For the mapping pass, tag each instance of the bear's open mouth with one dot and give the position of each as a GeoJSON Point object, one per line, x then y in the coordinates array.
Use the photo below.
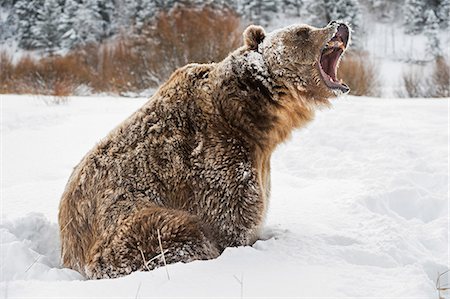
{"type": "Point", "coordinates": [330, 57]}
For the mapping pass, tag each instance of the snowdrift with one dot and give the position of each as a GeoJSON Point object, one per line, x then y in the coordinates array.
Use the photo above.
{"type": "Point", "coordinates": [359, 205]}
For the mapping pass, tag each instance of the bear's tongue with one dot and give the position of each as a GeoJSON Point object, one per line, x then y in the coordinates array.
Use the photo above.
{"type": "Point", "coordinates": [328, 61]}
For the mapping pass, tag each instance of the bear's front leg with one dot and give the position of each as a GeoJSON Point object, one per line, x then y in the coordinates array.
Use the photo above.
{"type": "Point", "coordinates": [236, 215]}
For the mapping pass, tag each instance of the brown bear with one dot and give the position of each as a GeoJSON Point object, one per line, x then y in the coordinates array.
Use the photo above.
{"type": "Point", "coordinates": [189, 172]}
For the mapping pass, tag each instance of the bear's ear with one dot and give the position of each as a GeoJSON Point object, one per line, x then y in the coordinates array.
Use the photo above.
{"type": "Point", "coordinates": [253, 36]}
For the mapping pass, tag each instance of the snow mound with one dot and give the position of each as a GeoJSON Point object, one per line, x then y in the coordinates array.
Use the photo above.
{"type": "Point", "coordinates": [30, 250]}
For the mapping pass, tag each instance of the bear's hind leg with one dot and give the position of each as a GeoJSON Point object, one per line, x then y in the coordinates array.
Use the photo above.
{"type": "Point", "coordinates": [182, 238]}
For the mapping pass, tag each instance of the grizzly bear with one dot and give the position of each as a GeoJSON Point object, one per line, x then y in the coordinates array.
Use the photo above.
{"type": "Point", "coordinates": [188, 174]}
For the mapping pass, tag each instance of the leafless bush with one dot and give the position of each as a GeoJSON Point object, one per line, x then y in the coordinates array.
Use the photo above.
{"type": "Point", "coordinates": [48, 76]}
{"type": "Point", "coordinates": [185, 35]}
{"type": "Point", "coordinates": [360, 73]}
{"type": "Point", "coordinates": [416, 84]}
{"type": "Point", "coordinates": [413, 85]}
{"type": "Point", "coordinates": [6, 71]}
{"type": "Point", "coordinates": [440, 78]}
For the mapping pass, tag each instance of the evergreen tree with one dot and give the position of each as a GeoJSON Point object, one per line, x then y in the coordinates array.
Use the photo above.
{"type": "Point", "coordinates": [414, 16]}
{"type": "Point", "coordinates": [385, 10]}
{"type": "Point", "coordinates": [431, 29]}
{"type": "Point", "coordinates": [232, 4]}
{"type": "Point", "coordinates": [317, 10]}
{"type": "Point", "coordinates": [46, 30]}
{"type": "Point", "coordinates": [344, 10]}
{"type": "Point", "coordinates": [8, 4]}
{"type": "Point", "coordinates": [293, 5]}
{"type": "Point", "coordinates": [69, 36]}
{"type": "Point", "coordinates": [325, 11]}
{"type": "Point", "coordinates": [259, 11]}
{"type": "Point", "coordinates": [88, 23]}
{"type": "Point", "coordinates": [146, 11]}
{"type": "Point", "coordinates": [125, 14]}
{"type": "Point", "coordinates": [26, 13]}
{"type": "Point", "coordinates": [106, 10]}
{"type": "Point", "coordinates": [443, 12]}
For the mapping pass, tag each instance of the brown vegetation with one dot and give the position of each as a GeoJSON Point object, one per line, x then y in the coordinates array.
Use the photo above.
{"type": "Point", "coordinates": [413, 85]}
{"type": "Point", "coordinates": [133, 63]}
{"type": "Point", "coordinates": [436, 85]}
{"type": "Point", "coordinates": [440, 78]}
{"type": "Point", "coordinates": [360, 74]}
{"type": "Point", "coordinates": [182, 36]}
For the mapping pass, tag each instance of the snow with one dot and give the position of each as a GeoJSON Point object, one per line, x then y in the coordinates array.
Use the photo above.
{"type": "Point", "coordinates": [359, 205]}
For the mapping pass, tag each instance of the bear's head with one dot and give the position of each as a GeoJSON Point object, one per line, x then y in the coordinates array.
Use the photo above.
{"type": "Point", "coordinates": [302, 60]}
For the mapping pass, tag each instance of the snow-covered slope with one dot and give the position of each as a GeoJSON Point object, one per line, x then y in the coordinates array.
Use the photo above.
{"type": "Point", "coordinates": [359, 205]}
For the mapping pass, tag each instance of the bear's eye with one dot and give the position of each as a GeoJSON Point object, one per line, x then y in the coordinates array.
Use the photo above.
{"type": "Point", "coordinates": [303, 33]}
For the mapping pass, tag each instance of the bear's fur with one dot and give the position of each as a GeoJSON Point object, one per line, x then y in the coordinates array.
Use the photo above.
{"type": "Point", "coordinates": [193, 164]}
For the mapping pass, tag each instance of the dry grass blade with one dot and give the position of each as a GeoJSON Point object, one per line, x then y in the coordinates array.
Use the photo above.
{"type": "Point", "coordinates": [162, 252]}
{"type": "Point", "coordinates": [137, 292]}
{"type": "Point", "coordinates": [65, 226]}
{"type": "Point", "coordinates": [39, 256]}
{"type": "Point", "coordinates": [138, 289]}
{"type": "Point", "coordinates": [241, 282]}
{"type": "Point", "coordinates": [143, 258]}
{"type": "Point", "coordinates": [157, 256]}
{"type": "Point", "coordinates": [32, 264]}
{"type": "Point", "coordinates": [441, 288]}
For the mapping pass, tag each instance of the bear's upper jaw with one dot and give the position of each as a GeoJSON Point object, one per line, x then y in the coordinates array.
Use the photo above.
{"type": "Point", "coordinates": [330, 57]}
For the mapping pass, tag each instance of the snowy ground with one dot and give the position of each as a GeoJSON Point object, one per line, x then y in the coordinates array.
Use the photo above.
{"type": "Point", "coordinates": [359, 205]}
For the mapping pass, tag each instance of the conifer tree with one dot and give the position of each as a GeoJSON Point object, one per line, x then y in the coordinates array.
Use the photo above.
{"type": "Point", "coordinates": [146, 11]}
{"type": "Point", "coordinates": [88, 22]}
{"type": "Point", "coordinates": [106, 10]}
{"type": "Point", "coordinates": [292, 6]}
{"type": "Point", "coordinates": [69, 36]}
{"type": "Point", "coordinates": [259, 11]}
{"type": "Point", "coordinates": [443, 12]}
{"type": "Point", "coordinates": [431, 29]}
{"type": "Point", "coordinates": [46, 31]}
{"type": "Point", "coordinates": [325, 11]}
{"type": "Point", "coordinates": [414, 16]}
{"type": "Point", "coordinates": [26, 13]}
{"type": "Point", "coordinates": [318, 14]}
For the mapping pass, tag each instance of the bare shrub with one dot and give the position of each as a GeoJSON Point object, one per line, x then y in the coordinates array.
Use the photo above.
{"type": "Point", "coordinates": [185, 35]}
{"type": "Point", "coordinates": [440, 78]}
{"type": "Point", "coordinates": [21, 78]}
{"type": "Point", "coordinates": [360, 73]}
{"type": "Point", "coordinates": [119, 69]}
{"type": "Point", "coordinates": [54, 76]}
{"type": "Point", "coordinates": [416, 84]}
{"type": "Point", "coordinates": [413, 85]}
{"type": "Point", "coordinates": [6, 72]}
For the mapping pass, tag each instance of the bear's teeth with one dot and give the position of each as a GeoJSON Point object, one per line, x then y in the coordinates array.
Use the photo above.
{"type": "Point", "coordinates": [328, 51]}
{"type": "Point", "coordinates": [336, 44]}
